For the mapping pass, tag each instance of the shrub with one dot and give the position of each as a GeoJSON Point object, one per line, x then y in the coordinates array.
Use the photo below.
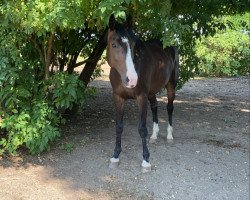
{"type": "Point", "coordinates": [66, 89]}
{"type": "Point", "coordinates": [30, 100]}
{"type": "Point", "coordinates": [30, 108]}
{"type": "Point", "coordinates": [227, 53]}
{"type": "Point", "coordinates": [34, 128]}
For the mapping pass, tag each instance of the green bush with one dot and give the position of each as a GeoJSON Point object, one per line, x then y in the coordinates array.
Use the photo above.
{"type": "Point", "coordinates": [30, 102]}
{"type": "Point", "coordinates": [34, 128]}
{"type": "Point", "coordinates": [66, 89]}
{"type": "Point", "coordinates": [30, 109]}
{"type": "Point", "coordinates": [227, 53]}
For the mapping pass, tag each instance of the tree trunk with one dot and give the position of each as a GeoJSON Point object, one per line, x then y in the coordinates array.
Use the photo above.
{"type": "Point", "coordinates": [90, 65]}
{"type": "Point", "coordinates": [72, 63]}
{"type": "Point", "coordinates": [49, 55]}
{"type": "Point", "coordinates": [93, 59]}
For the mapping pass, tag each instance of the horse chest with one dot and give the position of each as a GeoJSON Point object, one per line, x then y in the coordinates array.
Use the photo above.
{"type": "Point", "coordinates": [125, 93]}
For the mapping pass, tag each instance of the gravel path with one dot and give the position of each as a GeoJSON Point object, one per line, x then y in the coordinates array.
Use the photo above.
{"type": "Point", "coordinates": [209, 158]}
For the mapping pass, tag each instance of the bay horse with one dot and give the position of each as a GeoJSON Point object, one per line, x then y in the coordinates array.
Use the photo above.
{"type": "Point", "coordinates": [138, 71]}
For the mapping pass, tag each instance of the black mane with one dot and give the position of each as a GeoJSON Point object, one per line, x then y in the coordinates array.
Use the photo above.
{"type": "Point", "coordinates": [125, 32]}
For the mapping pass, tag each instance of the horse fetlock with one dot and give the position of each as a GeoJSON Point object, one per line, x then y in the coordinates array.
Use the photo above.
{"type": "Point", "coordinates": [155, 130]}
{"type": "Point", "coordinates": [145, 166]}
{"type": "Point", "coordinates": [170, 132]}
{"type": "Point", "coordinates": [114, 162]}
{"type": "Point", "coordinates": [146, 155]}
{"type": "Point", "coordinates": [117, 152]}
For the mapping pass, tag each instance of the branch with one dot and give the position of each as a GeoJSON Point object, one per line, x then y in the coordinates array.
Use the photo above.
{"type": "Point", "coordinates": [84, 62]}
{"type": "Point", "coordinates": [94, 58]}
{"type": "Point", "coordinates": [49, 54]}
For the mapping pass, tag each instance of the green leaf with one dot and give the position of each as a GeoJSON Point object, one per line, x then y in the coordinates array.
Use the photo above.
{"type": "Point", "coordinates": [15, 111]}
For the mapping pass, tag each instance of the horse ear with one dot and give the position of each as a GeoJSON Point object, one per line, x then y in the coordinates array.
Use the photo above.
{"type": "Point", "coordinates": [112, 22]}
{"type": "Point", "coordinates": [129, 22]}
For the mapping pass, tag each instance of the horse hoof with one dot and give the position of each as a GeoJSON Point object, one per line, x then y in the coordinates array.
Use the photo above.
{"type": "Point", "coordinates": [114, 162]}
{"type": "Point", "coordinates": [152, 140]}
{"type": "Point", "coordinates": [145, 167]}
{"type": "Point", "coordinates": [170, 141]}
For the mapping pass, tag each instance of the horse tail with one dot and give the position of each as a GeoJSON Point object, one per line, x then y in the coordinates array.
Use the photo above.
{"type": "Point", "coordinates": [175, 57]}
{"type": "Point", "coordinates": [173, 54]}
{"type": "Point", "coordinates": [177, 66]}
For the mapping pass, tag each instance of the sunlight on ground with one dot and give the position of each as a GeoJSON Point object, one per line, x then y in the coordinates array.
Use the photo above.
{"type": "Point", "coordinates": [210, 100]}
{"type": "Point", "coordinates": [199, 78]}
{"type": "Point", "coordinates": [180, 101]}
{"type": "Point", "coordinates": [245, 110]}
{"type": "Point", "coordinates": [44, 184]}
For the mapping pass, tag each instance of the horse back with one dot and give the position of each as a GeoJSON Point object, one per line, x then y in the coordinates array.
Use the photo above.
{"type": "Point", "coordinates": [165, 65]}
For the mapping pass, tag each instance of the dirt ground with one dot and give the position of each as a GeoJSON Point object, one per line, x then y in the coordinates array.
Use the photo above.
{"type": "Point", "coordinates": [209, 158]}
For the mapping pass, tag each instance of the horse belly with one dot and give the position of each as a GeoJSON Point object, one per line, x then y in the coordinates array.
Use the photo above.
{"type": "Point", "coordinates": [159, 79]}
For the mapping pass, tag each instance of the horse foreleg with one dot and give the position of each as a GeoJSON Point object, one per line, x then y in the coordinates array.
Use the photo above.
{"type": "Point", "coordinates": [142, 104]}
{"type": "Point", "coordinates": [153, 104]}
{"type": "Point", "coordinates": [119, 104]}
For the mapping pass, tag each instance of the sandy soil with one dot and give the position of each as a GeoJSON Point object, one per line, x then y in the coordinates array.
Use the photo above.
{"type": "Point", "coordinates": [209, 158]}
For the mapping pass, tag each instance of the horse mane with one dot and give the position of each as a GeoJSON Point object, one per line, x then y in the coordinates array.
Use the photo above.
{"type": "Point", "coordinates": [155, 41]}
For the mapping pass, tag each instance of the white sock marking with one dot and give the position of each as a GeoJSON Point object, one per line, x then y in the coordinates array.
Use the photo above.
{"type": "Point", "coordinates": [114, 160]}
{"type": "Point", "coordinates": [145, 164]}
{"type": "Point", "coordinates": [131, 73]}
{"type": "Point", "coordinates": [170, 132]}
{"type": "Point", "coordinates": [155, 131]}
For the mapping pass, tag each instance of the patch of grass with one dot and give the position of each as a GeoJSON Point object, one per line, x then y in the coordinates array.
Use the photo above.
{"type": "Point", "coordinates": [68, 147]}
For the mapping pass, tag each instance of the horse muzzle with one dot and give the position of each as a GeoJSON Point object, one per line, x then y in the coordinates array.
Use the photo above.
{"type": "Point", "coordinates": [131, 81]}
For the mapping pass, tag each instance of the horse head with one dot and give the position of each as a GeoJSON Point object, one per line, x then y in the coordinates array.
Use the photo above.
{"type": "Point", "coordinates": [120, 51]}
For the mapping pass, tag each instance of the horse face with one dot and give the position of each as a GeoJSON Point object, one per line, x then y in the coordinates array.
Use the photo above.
{"type": "Point", "coordinates": [119, 56]}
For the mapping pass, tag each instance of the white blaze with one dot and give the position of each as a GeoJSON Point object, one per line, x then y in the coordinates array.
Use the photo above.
{"type": "Point", "coordinates": [131, 73]}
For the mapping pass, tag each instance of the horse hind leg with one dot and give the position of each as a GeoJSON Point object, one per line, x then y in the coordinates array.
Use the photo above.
{"type": "Point", "coordinates": [154, 106]}
{"type": "Point", "coordinates": [170, 107]}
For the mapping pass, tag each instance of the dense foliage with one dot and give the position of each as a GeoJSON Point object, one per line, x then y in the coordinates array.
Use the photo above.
{"type": "Point", "coordinates": [32, 97]}
{"type": "Point", "coordinates": [227, 53]}
{"type": "Point", "coordinates": [42, 41]}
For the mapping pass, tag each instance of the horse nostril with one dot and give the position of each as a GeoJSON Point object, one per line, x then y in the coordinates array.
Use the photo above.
{"type": "Point", "coordinates": [127, 79]}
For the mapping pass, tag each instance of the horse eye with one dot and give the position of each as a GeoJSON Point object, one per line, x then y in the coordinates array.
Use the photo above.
{"type": "Point", "coordinates": [113, 45]}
